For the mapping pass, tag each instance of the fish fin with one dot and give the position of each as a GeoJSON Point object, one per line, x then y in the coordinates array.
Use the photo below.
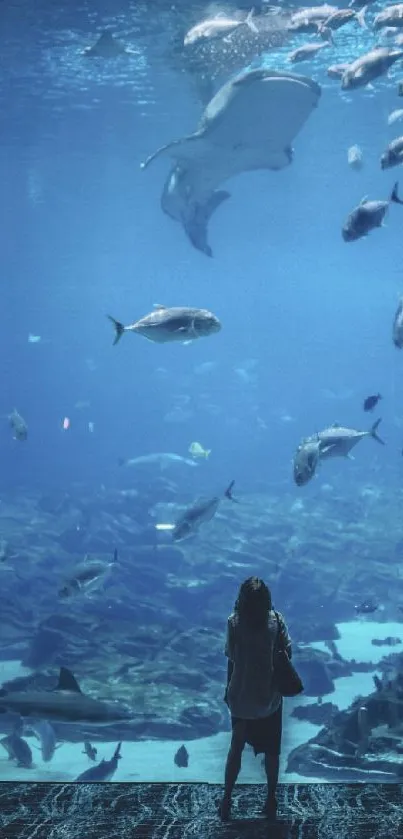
{"type": "Point", "coordinates": [349, 456]}
{"type": "Point", "coordinates": [196, 221]}
{"type": "Point", "coordinates": [250, 22]}
{"type": "Point", "coordinates": [373, 432]}
{"type": "Point", "coordinates": [207, 453]}
{"type": "Point", "coordinates": [361, 17]}
{"type": "Point", "coordinates": [119, 329]}
{"type": "Point", "coordinates": [364, 200]}
{"type": "Point", "coordinates": [67, 681]}
{"type": "Point", "coordinates": [117, 754]}
{"type": "Point", "coordinates": [394, 196]}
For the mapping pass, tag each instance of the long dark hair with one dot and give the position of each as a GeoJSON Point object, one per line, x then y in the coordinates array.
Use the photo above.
{"type": "Point", "coordinates": [253, 603]}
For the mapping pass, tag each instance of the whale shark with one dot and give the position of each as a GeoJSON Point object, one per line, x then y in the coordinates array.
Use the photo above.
{"type": "Point", "coordinates": [248, 125]}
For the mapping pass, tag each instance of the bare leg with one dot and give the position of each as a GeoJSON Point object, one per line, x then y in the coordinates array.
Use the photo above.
{"type": "Point", "coordinates": [232, 768]}
{"type": "Point", "coordinates": [271, 765]}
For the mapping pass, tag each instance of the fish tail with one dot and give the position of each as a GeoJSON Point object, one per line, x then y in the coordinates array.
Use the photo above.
{"type": "Point", "coordinates": [207, 453]}
{"type": "Point", "coordinates": [250, 22]}
{"type": "Point", "coordinates": [119, 329]}
{"type": "Point", "coordinates": [395, 197]}
{"type": "Point", "coordinates": [361, 17]}
{"type": "Point", "coordinates": [373, 432]}
{"type": "Point", "coordinates": [228, 492]}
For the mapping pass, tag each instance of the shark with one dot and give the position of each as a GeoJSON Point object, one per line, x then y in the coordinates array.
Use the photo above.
{"type": "Point", "coordinates": [248, 125]}
{"type": "Point", "coordinates": [65, 703]}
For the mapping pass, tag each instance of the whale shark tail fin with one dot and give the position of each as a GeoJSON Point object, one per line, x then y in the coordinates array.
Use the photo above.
{"type": "Point", "coordinates": [198, 217]}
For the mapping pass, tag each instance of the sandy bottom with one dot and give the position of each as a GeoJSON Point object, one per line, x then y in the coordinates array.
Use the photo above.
{"type": "Point", "coordinates": [154, 760]}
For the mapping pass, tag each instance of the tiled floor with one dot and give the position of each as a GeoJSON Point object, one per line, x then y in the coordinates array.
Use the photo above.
{"type": "Point", "coordinates": [189, 811]}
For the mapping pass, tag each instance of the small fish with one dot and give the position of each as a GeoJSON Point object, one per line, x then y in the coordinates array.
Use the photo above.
{"type": "Point", "coordinates": [366, 608]}
{"type": "Point", "coordinates": [182, 757]}
{"type": "Point", "coordinates": [174, 324]}
{"type": "Point", "coordinates": [18, 424]}
{"type": "Point", "coordinates": [369, 67]}
{"type": "Point", "coordinates": [393, 155]}
{"type": "Point", "coordinates": [34, 339]}
{"type": "Point", "coordinates": [371, 401]}
{"type": "Point", "coordinates": [17, 749]}
{"type": "Point", "coordinates": [90, 750]}
{"type": "Point", "coordinates": [104, 771]}
{"type": "Point", "coordinates": [306, 52]}
{"type": "Point", "coordinates": [199, 513]}
{"type": "Point", "coordinates": [217, 27]}
{"type": "Point", "coordinates": [397, 332]}
{"type": "Point", "coordinates": [367, 216]}
{"type": "Point", "coordinates": [87, 576]}
{"type": "Point", "coordinates": [355, 158]}
{"type": "Point", "coordinates": [197, 450]}
{"type": "Point", "coordinates": [395, 116]}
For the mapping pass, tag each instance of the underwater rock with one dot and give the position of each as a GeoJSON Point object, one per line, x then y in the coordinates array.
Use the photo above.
{"type": "Point", "coordinates": [314, 672]}
{"type": "Point", "coordinates": [360, 742]}
{"type": "Point", "coordinates": [317, 714]}
{"type": "Point", "coordinates": [202, 719]}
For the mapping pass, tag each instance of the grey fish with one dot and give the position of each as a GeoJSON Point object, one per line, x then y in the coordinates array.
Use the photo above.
{"type": "Point", "coordinates": [390, 16]}
{"type": "Point", "coordinates": [340, 17]}
{"type": "Point", "coordinates": [87, 576]}
{"type": "Point", "coordinates": [217, 27]}
{"type": "Point", "coordinates": [47, 737]}
{"type": "Point", "coordinates": [337, 441]}
{"type": "Point", "coordinates": [393, 155]}
{"type": "Point", "coordinates": [104, 771]}
{"type": "Point", "coordinates": [369, 67]}
{"type": "Point", "coordinates": [18, 749]}
{"type": "Point", "coordinates": [306, 460]}
{"type": "Point", "coordinates": [248, 125]}
{"type": "Point", "coordinates": [89, 750]}
{"type": "Point", "coordinates": [367, 216]}
{"type": "Point", "coordinates": [107, 46]}
{"type": "Point", "coordinates": [306, 52]}
{"type": "Point", "coordinates": [18, 424]}
{"type": "Point", "coordinates": [164, 460]}
{"type": "Point", "coordinates": [397, 333]}
{"type": "Point", "coordinates": [178, 323]}
{"type": "Point", "coordinates": [199, 513]}
{"type": "Point", "coordinates": [308, 20]}
{"type": "Point", "coordinates": [66, 703]}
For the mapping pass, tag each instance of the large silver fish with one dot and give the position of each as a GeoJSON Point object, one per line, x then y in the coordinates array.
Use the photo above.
{"type": "Point", "coordinates": [199, 513]}
{"type": "Point", "coordinates": [337, 441]}
{"type": "Point", "coordinates": [249, 124]}
{"type": "Point", "coordinates": [178, 323]}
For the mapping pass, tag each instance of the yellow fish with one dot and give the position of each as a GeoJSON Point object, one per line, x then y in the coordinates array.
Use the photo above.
{"type": "Point", "coordinates": [196, 450]}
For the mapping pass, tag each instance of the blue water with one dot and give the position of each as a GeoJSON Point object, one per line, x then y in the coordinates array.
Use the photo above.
{"type": "Point", "coordinates": [306, 318]}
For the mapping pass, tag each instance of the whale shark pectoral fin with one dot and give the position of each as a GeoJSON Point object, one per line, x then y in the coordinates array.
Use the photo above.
{"type": "Point", "coordinates": [196, 220]}
{"type": "Point", "coordinates": [181, 144]}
